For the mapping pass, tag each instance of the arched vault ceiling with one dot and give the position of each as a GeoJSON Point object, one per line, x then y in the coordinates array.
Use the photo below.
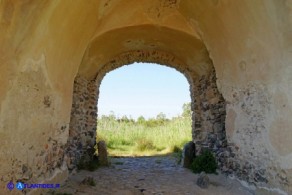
{"type": "Point", "coordinates": [186, 47]}
{"type": "Point", "coordinates": [145, 25]}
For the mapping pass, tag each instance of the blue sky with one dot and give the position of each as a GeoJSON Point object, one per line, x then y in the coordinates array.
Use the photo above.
{"type": "Point", "coordinates": [143, 89]}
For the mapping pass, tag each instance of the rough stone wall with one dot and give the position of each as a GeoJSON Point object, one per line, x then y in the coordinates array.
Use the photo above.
{"type": "Point", "coordinates": [250, 45]}
{"type": "Point", "coordinates": [209, 117]}
{"type": "Point", "coordinates": [82, 130]}
{"type": "Point", "coordinates": [209, 131]}
{"type": "Point", "coordinates": [248, 155]}
{"type": "Point", "coordinates": [209, 114]}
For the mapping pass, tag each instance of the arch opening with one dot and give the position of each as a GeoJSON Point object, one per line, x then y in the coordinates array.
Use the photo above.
{"type": "Point", "coordinates": [207, 105]}
{"type": "Point", "coordinates": [140, 110]}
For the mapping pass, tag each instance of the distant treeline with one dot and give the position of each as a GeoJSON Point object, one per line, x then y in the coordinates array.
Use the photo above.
{"type": "Point", "coordinates": [160, 119]}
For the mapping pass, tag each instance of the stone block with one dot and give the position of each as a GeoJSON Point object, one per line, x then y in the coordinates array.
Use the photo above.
{"type": "Point", "coordinates": [189, 154]}
{"type": "Point", "coordinates": [203, 180]}
{"type": "Point", "coordinates": [102, 153]}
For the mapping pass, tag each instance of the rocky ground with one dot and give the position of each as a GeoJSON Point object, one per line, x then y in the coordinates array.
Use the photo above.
{"type": "Point", "coordinates": [148, 175]}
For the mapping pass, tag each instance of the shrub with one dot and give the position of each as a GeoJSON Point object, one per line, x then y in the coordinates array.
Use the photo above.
{"type": "Point", "coordinates": [144, 144]}
{"type": "Point", "coordinates": [176, 149]}
{"type": "Point", "coordinates": [177, 153]}
{"type": "Point", "coordinates": [91, 165]}
{"type": "Point", "coordinates": [205, 162]}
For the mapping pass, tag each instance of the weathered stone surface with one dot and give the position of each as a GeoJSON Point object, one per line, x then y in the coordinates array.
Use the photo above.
{"type": "Point", "coordinates": [102, 153]}
{"type": "Point", "coordinates": [82, 130]}
{"type": "Point", "coordinates": [88, 181]}
{"type": "Point", "coordinates": [209, 116]}
{"type": "Point", "coordinates": [188, 154]}
{"type": "Point", "coordinates": [203, 180]}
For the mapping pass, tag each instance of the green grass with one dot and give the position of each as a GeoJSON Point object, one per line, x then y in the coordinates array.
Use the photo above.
{"type": "Point", "coordinates": [144, 138]}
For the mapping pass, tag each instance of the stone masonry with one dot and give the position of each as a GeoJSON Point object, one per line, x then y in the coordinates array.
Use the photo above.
{"type": "Point", "coordinates": [82, 130]}
{"type": "Point", "coordinates": [209, 114]}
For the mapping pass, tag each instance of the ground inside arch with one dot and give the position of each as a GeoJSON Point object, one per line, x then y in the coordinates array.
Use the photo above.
{"type": "Point", "coordinates": [148, 175]}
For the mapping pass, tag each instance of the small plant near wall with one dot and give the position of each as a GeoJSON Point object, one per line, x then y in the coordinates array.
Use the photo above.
{"type": "Point", "coordinates": [90, 166]}
{"type": "Point", "coordinates": [205, 162]}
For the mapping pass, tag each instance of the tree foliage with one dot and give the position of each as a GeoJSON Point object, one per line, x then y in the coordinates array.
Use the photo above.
{"type": "Point", "coordinates": [159, 120]}
{"type": "Point", "coordinates": [141, 120]}
{"type": "Point", "coordinates": [187, 111]}
{"type": "Point", "coordinates": [161, 116]}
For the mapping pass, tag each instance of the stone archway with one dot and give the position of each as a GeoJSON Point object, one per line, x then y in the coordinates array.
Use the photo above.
{"type": "Point", "coordinates": [45, 44]}
{"type": "Point", "coordinates": [208, 106]}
